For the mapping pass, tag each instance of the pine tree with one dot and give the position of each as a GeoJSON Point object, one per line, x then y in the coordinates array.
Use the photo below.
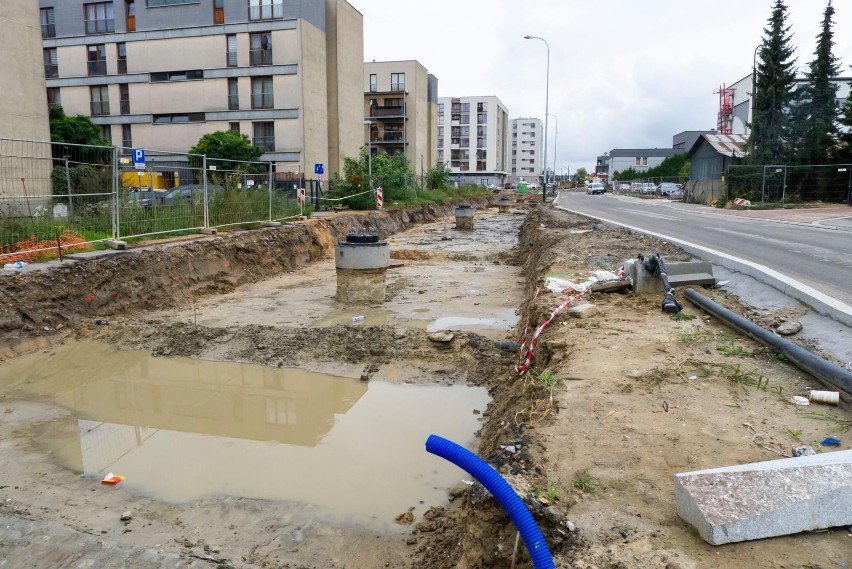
{"type": "Point", "coordinates": [773, 90]}
{"type": "Point", "coordinates": [845, 147]}
{"type": "Point", "coordinates": [817, 101]}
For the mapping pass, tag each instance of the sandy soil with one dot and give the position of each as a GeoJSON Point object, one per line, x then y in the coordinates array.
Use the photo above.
{"type": "Point", "coordinates": [637, 397]}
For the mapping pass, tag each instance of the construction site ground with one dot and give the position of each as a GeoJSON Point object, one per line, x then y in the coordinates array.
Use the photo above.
{"type": "Point", "coordinates": [258, 425]}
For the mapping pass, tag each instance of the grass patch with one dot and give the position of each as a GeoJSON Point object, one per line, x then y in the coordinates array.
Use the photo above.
{"type": "Point", "coordinates": [744, 378]}
{"type": "Point", "coordinates": [734, 349]}
{"type": "Point", "coordinates": [584, 482]}
{"type": "Point", "coordinates": [682, 317]}
{"type": "Point", "coordinates": [693, 335]}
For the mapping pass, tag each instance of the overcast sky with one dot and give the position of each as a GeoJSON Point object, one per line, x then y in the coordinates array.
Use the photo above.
{"type": "Point", "coordinates": [623, 73]}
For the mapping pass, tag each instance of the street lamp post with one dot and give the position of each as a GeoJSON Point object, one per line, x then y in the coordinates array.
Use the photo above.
{"type": "Point", "coordinates": [369, 124]}
{"type": "Point", "coordinates": [546, 110]}
{"type": "Point", "coordinates": [555, 140]}
{"type": "Point", "coordinates": [753, 97]}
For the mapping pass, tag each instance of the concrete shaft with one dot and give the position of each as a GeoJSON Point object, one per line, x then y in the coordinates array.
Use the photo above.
{"type": "Point", "coordinates": [503, 207]}
{"type": "Point", "coordinates": [361, 286]}
{"type": "Point", "coordinates": [464, 217]}
{"type": "Point", "coordinates": [361, 269]}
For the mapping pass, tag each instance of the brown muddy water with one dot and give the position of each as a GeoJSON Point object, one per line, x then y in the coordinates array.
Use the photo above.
{"type": "Point", "coordinates": [181, 429]}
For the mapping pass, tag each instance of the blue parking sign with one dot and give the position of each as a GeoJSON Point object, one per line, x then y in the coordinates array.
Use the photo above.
{"type": "Point", "coordinates": [319, 169]}
{"type": "Point", "coordinates": [139, 156]}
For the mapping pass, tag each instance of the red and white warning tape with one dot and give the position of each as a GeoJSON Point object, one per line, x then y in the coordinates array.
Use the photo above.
{"type": "Point", "coordinates": [522, 368]}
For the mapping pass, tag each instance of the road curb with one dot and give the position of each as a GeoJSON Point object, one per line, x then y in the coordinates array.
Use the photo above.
{"type": "Point", "coordinates": [821, 303]}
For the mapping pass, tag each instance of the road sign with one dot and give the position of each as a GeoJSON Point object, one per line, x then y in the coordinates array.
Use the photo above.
{"type": "Point", "coordinates": [300, 196]}
{"type": "Point", "coordinates": [319, 169]}
{"type": "Point", "coordinates": [139, 157]}
{"type": "Point", "coordinates": [380, 198]}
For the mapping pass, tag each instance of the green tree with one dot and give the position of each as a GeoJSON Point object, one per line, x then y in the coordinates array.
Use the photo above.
{"type": "Point", "coordinates": [437, 177]}
{"type": "Point", "coordinates": [670, 167]}
{"type": "Point", "coordinates": [582, 173]}
{"type": "Point", "coordinates": [814, 131]}
{"type": "Point", "coordinates": [78, 129]}
{"type": "Point", "coordinates": [845, 119]}
{"type": "Point", "coordinates": [229, 148]}
{"type": "Point", "coordinates": [773, 90]}
{"type": "Point", "coordinates": [392, 173]}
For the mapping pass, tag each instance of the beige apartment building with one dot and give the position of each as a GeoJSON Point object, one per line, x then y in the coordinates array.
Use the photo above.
{"type": "Point", "coordinates": [473, 139]}
{"type": "Point", "coordinates": [401, 111]}
{"type": "Point", "coordinates": [159, 74]}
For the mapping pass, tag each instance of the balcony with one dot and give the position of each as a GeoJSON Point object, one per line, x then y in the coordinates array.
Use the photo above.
{"type": "Point", "coordinates": [122, 65]}
{"type": "Point", "coordinates": [48, 30]}
{"type": "Point", "coordinates": [231, 58]}
{"type": "Point", "coordinates": [51, 70]}
{"type": "Point", "coordinates": [389, 137]}
{"type": "Point", "coordinates": [260, 57]}
{"type": "Point", "coordinates": [105, 26]}
{"type": "Point", "coordinates": [387, 111]}
{"type": "Point", "coordinates": [99, 108]}
{"type": "Point", "coordinates": [124, 106]}
{"type": "Point", "coordinates": [98, 67]}
{"type": "Point", "coordinates": [265, 143]}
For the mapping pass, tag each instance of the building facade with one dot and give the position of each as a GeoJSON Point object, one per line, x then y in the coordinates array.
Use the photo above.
{"type": "Point", "coordinates": [602, 166]}
{"type": "Point", "coordinates": [473, 139]}
{"type": "Point", "coordinates": [527, 151]}
{"type": "Point", "coordinates": [161, 73]}
{"type": "Point", "coordinates": [401, 111]}
{"type": "Point", "coordinates": [23, 108]}
{"type": "Point", "coordinates": [640, 159]}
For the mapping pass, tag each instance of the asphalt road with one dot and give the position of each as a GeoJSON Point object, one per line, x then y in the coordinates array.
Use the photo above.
{"type": "Point", "coordinates": [820, 258]}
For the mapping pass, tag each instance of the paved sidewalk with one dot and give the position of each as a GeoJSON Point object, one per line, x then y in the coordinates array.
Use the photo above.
{"type": "Point", "coordinates": [810, 215]}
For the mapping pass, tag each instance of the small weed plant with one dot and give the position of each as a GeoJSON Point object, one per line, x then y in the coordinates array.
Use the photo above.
{"type": "Point", "coordinates": [584, 482]}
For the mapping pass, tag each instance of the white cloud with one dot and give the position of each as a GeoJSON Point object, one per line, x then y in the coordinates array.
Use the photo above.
{"type": "Point", "coordinates": [622, 74]}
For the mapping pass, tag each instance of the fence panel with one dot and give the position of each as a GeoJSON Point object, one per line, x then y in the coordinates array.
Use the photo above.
{"type": "Point", "coordinates": [163, 196]}
{"type": "Point", "coordinates": [240, 193]}
{"type": "Point", "coordinates": [784, 183]}
{"type": "Point", "coordinates": [54, 198]}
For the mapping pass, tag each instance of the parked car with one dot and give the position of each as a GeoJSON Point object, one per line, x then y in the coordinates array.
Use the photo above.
{"type": "Point", "coordinates": [623, 187]}
{"type": "Point", "coordinates": [666, 188]}
{"type": "Point", "coordinates": [533, 186]}
{"type": "Point", "coordinates": [595, 188]}
{"type": "Point", "coordinates": [648, 188]}
{"type": "Point", "coordinates": [190, 192]}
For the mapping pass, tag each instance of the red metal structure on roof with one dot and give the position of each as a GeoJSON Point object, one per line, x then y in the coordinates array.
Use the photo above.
{"type": "Point", "coordinates": [726, 109]}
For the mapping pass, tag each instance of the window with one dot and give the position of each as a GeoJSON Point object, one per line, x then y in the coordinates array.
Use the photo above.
{"type": "Point", "coordinates": [645, 161]}
{"type": "Point", "coordinates": [106, 132]}
{"type": "Point", "coordinates": [130, 15]}
{"type": "Point", "coordinates": [99, 100]}
{"type": "Point", "coordinates": [234, 126]}
{"type": "Point", "coordinates": [218, 11]}
{"type": "Point", "coordinates": [397, 81]}
{"type": "Point", "coordinates": [51, 63]}
{"type": "Point", "coordinates": [481, 142]}
{"type": "Point", "coordinates": [464, 118]}
{"type": "Point", "coordinates": [638, 161]}
{"type": "Point", "coordinates": [482, 131]}
{"type": "Point", "coordinates": [481, 154]}
{"type": "Point", "coordinates": [157, 3]}
{"type": "Point", "coordinates": [48, 23]}
{"type": "Point", "coordinates": [126, 139]}
{"type": "Point", "coordinates": [440, 108]}
{"type": "Point", "coordinates": [374, 84]}
{"type": "Point", "coordinates": [266, 9]}
{"type": "Point", "coordinates": [481, 107]}
{"type": "Point", "coordinates": [99, 18]}
{"type": "Point", "coordinates": [264, 136]}
{"type": "Point", "coordinates": [121, 57]}
{"type": "Point", "coordinates": [233, 94]}
{"type": "Point", "coordinates": [231, 54]}
{"type": "Point", "coordinates": [465, 107]}
{"type": "Point", "coordinates": [53, 98]}
{"type": "Point", "coordinates": [97, 59]}
{"type": "Point", "coordinates": [177, 118]}
{"type": "Point", "coordinates": [163, 76]}
{"type": "Point", "coordinates": [440, 131]}
{"type": "Point", "coordinates": [261, 92]}
{"type": "Point", "coordinates": [481, 118]}
{"type": "Point", "coordinates": [440, 156]}
{"type": "Point", "coordinates": [124, 98]}
{"type": "Point", "coordinates": [260, 49]}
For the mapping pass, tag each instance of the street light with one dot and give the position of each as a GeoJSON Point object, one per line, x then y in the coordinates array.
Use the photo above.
{"type": "Point", "coordinates": [369, 124]}
{"type": "Point", "coordinates": [555, 140]}
{"type": "Point", "coordinates": [546, 109]}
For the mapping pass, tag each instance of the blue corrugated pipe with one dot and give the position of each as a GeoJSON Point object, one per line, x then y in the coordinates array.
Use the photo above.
{"type": "Point", "coordinates": [506, 496]}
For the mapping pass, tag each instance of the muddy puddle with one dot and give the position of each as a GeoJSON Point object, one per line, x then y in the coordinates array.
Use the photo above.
{"type": "Point", "coordinates": [182, 429]}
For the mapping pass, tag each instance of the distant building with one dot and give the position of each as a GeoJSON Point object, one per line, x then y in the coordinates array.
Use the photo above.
{"type": "Point", "coordinates": [742, 92]}
{"type": "Point", "coordinates": [23, 105]}
{"type": "Point", "coordinates": [640, 159]}
{"type": "Point", "coordinates": [474, 142]}
{"type": "Point", "coordinates": [161, 73]}
{"type": "Point", "coordinates": [527, 145]}
{"type": "Point", "coordinates": [602, 166]}
{"type": "Point", "coordinates": [683, 141]}
{"type": "Point", "coordinates": [401, 111]}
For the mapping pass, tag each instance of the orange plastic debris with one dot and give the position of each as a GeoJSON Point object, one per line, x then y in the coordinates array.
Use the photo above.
{"type": "Point", "coordinates": [112, 479]}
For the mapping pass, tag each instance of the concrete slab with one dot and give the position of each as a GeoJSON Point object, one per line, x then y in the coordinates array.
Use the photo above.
{"type": "Point", "coordinates": [681, 273]}
{"type": "Point", "coordinates": [767, 499]}
{"type": "Point", "coordinates": [585, 310]}
{"type": "Point", "coordinates": [115, 244]}
{"type": "Point", "coordinates": [95, 255]}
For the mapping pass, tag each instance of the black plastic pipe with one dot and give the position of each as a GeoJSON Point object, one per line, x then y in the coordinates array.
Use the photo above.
{"type": "Point", "coordinates": [821, 369]}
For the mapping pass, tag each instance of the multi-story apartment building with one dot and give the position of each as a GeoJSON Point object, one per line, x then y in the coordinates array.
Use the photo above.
{"type": "Point", "coordinates": [23, 110]}
{"type": "Point", "coordinates": [527, 150]}
{"type": "Point", "coordinates": [401, 111]}
{"type": "Point", "coordinates": [473, 139]}
{"type": "Point", "coordinates": [161, 73]}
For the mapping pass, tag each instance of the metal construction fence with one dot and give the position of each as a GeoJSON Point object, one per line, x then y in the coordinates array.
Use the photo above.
{"type": "Point", "coordinates": [57, 197]}
{"type": "Point", "coordinates": [657, 185]}
{"type": "Point", "coordinates": [790, 184]}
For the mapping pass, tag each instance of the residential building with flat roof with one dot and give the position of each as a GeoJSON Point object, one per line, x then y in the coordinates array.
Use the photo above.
{"type": "Point", "coordinates": [401, 111]}
{"type": "Point", "coordinates": [161, 73]}
{"type": "Point", "coordinates": [473, 139]}
{"type": "Point", "coordinates": [527, 150]}
{"type": "Point", "coordinates": [640, 159]}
